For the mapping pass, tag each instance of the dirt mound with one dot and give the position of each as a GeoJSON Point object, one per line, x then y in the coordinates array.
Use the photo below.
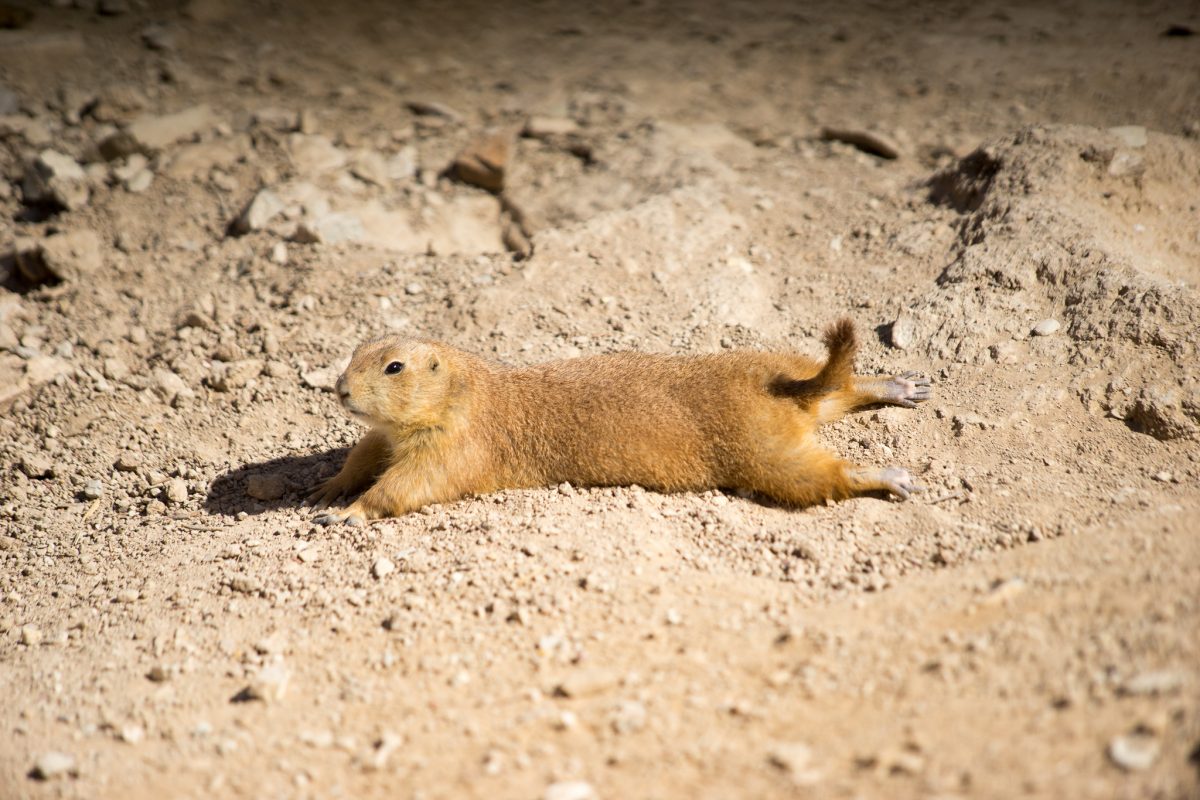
{"type": "Point", "coordinates": [1094, 229]}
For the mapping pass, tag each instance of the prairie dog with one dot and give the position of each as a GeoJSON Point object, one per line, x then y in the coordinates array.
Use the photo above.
{"type": "Point", "coordinates": [446, 424]}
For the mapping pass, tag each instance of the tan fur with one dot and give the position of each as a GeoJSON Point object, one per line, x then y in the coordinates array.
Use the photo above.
{"type": "Point", "coordinates": [451, 424]}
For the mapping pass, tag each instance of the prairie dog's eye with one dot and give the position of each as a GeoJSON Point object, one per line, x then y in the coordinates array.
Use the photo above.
{"type": "Point", "coordinates": [393, 368]}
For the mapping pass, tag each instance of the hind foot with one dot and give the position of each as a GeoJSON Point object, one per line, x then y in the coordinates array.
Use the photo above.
{"type": "Point", "coordinates": [906, 389]}
{"type": "Point", "coordinates": [891, 479]}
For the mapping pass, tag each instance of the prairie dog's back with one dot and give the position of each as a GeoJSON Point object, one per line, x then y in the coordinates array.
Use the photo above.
{"type": "Point", "coordinates": [671, 422]}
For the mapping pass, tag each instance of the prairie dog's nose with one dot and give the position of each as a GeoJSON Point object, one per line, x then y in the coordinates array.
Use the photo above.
{"type": "Point", "coordinates": [343, 388]}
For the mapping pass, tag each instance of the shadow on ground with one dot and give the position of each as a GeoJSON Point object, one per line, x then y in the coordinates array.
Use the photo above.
{"type": "Point", "coordinates": [292, 476]}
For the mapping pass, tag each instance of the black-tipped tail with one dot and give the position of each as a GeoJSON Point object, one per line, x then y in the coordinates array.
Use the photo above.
{"type": "Point", "coordinates": [836, 373]}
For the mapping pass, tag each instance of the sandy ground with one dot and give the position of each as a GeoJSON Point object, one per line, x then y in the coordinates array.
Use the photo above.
{"type": "Point", "coordinates": [207, 205]}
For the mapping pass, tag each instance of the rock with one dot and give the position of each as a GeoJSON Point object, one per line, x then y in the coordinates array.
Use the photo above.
{"type": "Point", "coordinates": [794, 758]}
{"type": "Point", "coordinates": [413, 288]}
{"type": "Point", "coordinates": [127, 596]}
{"type": "Point", "coordinates": [68, 256]}
{"type": "Point", "coordinates": [403, 165]}
{"type": "Point", "coordinates": [9, 102]}
{"type": "Point", "coordinates": [279, 253]}
{"type": "Point", "coordinates": [278, 119]}
{"type": "Point", "coordinates": [371, 167]}
{"type": "Point", "coordinates": [265, 487]}
{"type": "Point", "coordinates": [131, 734]}
{"type": "Point", "coordinates": [585, 683]}
{"type": "Point", "coordinates": [1134, 752]}
{"type": "Point", "coordinates": [1130, 135]}
{"type": "Point", "coordinates": [55, 179]}
{"type": "Point", "coordinates": [1126, 164]}
{"type": "Point", "coordinates": [428, 108]}
{"type": "Point", "coordinates": [265, 206]}
{"type": "Point", "coordinates": [112, 8]}
{"type": "Point", "coordinates": [314, 155]}
{"type": "Point", "coordinates": [1157, 412]}
{"type": "Point", "coordinates": [1154, 682]}
{"type": "Point", "coordinates": [155, 133]}
{"type": "Point", "coordinates": [484, 160]}
{"type": "Point", "coordinates": [170, 387]}
{"type": "Point", "coordinates": [1047, 327]}
{"type": "Point", "coordinates": [1004, 591]}
{"type": "Point", "coordinates": [515, 240]}
{"type": "Point", "coordinates": [334, 227]}
{"type": "Point", "coordinates": [129, 462]}
{"type": "Point", "coordinates": [628, 716]}
{"type": "Point", "coordinates": [37, 466]}
{"type": "Point", "coordinates": [324, 379]}
{"type": "Point", "coordinates": [870, 142]}
{"type": "Point", "coordinates": [93, 489]}
{"type": "Point", "coordinates": [140, 182]}
{"type": "Point", "coordinates": [159, 673]}
{"type": "Point", "coordinates": [31, 635]}
{"type": "Point", "coordinates": [903, 332]}
{"type": "Point", "coordinates": [570, 790]}
{"type": "Point", "coordinates": [546, 127]}
{"type": "Point", "coordinates": [54, 765]}
{"type": "Point", "coordinates": [43, 369]}
{"type": "Point", "coordinates": [176, 491]}
{"type": "Point", "coordinates": [159, 38]}
{"type": "Point", "coordinates": [115, 369]}
{"type": "Point", "coordinates": [382, 568]}
{"type": "Point", "coordinates": [119, 145]}
{"type": "Point", "coordinates": [236, 375]}
{"type": "Point", "coordinates": [269, 685]}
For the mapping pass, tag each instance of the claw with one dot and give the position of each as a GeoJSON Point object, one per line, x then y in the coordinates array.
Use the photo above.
{"type": "Point", "coordinates": [348, 517]}
{"type": "Point", "coordinates": [899, 482]}
{"type": "Point", "coordinates": [908, 388]}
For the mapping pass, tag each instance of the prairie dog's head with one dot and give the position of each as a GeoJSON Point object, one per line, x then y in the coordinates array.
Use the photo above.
{"type": "Point", "coordinates": [395, 382]}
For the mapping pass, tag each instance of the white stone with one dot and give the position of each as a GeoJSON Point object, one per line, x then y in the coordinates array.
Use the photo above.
{"type": "Point", "coordinates": [570, 790]}
{"type": "Point", "coordinates": [1047, 327]}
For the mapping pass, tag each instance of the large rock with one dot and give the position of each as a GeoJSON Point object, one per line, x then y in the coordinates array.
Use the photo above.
{"type": "Point", "coordinates": [69, 256]}
{"type": "Point", "coordinates": [156, 132]}
{"type": "Point", "coordinates": [484, 161]}
{"type": "Point", "coordinates": [55, 179]}
{"type": "Point", "coordinates": [314, 155]}
{"type": "Point", "coordinates": [265, 206]}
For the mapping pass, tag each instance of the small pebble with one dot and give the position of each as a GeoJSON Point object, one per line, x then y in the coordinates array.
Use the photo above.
{"type": "Point", "coordinates": [177, 491]}
{"type": "Point", "coordinates": [414, 288]}
{"type": "Point", "coordinates": [93, 490]}
{"type": "Point", "coordinates": [382, 568]}
{"type": "Point", "coordinates": [129, 462]}
{"type": "Point", "coordinates": [1134, 752]}
{"type": "Point", "coordinates": [1047, 327]}
{"type": "Point", "coordinates": [54, 765]}
{"type": "Point", "coordinates": [31, 635]}
{"type": "Point", "coordinates": [1154, 682]}
{"type": "Point", "coordinates": [570, 790]}
{"type": "Point", "coordinates": [269, 685]}
{"type": "Point", "coordinates": [131, 734]}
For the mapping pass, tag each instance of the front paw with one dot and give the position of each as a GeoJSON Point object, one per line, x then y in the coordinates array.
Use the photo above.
{"type": "Point", "coordinates": [348, 516]}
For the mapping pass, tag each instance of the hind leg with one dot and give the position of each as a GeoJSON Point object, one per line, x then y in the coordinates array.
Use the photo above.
{"type": "Point", "coordinates": [906, 389]}
{"type": "Point", "coordinates": [809, 475]}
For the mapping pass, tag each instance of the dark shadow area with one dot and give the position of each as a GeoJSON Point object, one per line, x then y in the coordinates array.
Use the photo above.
{"type": "Point", "coordinates": [290, 476]}
{"type": "Point", "coordinates": [17, 280]}
{"type": "Point", "coordinates": [964, 185]}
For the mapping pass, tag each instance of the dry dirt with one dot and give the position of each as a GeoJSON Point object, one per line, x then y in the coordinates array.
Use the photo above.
{"type": "Point", "coordinates": [172, 624]}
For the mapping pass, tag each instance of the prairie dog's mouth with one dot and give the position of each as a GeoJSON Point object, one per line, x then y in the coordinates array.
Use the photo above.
{"type": "Point", "coordinates": [355, 412]}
